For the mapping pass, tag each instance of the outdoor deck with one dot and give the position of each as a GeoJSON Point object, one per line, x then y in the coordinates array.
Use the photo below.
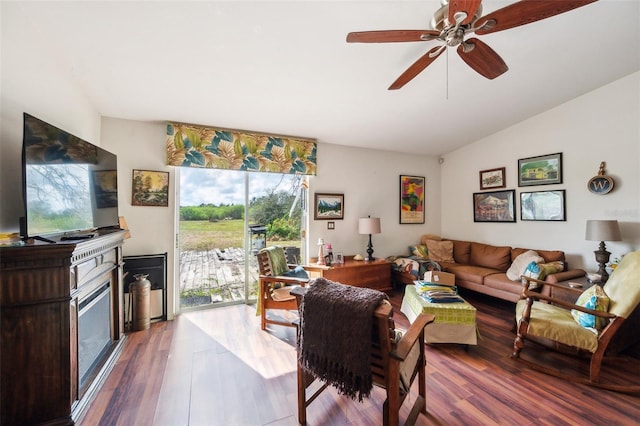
{"type": "Point", "coordinates": [215, 275]}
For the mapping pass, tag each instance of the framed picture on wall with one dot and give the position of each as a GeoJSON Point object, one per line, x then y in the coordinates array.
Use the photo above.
{"type": "Point", "coordinates": [150, 188]}
{"type": "Point", "coordinates": [493, 179]}
{"type": "Point", "coordinates": [495, 206]}
{"type": "Point", "coordinates": [542, 170]}
{"type": "Point", "coordinates": [329, 207]}
{"type": "Point", "coordinates": [412, 189]}
{"type": "Point", "coordinates": [543, 205]}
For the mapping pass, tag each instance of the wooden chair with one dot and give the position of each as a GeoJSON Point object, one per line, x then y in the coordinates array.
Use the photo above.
{"type": "Point", "coordinates": [552, 322]}
{"type": "Point", "coordinates": [275, 287]}
{"type": "Point", "coordinates": [394, 365]}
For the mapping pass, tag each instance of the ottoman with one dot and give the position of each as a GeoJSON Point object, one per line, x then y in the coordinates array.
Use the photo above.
{"type": "Point", "coordinates": [455, 322]}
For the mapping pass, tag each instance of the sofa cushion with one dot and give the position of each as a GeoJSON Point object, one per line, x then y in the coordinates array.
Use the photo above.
{"type": "Point", "coordinates": [495, 257]}
{"type": "Point", "coordinates": [469, 273]}
{"type": "Point", "coordinates": [520, 264]}
{"type": "Point", "coordinates": [440, 251]}
{"type": "Point", "coordinates": [500, 281]}
{"type": "Point", "coordinates": [461, 251]}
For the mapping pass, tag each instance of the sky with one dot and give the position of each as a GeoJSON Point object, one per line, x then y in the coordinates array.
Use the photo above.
{"type": "Point", "coordinates": [215, 186]}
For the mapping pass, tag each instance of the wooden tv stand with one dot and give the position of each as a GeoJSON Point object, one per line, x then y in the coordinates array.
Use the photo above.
{"type": "Point", "coordinates": [43, 289]}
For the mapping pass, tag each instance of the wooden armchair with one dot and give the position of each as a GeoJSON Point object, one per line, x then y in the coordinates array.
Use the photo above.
{"type": "Point", "coordinates": [395, 363]}
{"type": "Point", "coordinates": [275, 286]}
{"type": "Point", "coordinates": [553, 322]}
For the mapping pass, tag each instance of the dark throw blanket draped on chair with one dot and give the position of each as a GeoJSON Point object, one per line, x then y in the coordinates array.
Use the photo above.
{"type": "Point", "coordinates": [335, 335]}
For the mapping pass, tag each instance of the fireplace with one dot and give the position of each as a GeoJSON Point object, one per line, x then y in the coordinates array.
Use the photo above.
{"type": "Point", "coordinates": [94, 334]}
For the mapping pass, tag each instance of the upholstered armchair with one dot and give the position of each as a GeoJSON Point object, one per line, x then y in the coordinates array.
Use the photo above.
{"type": "Point", "coordinates": [589, 325]}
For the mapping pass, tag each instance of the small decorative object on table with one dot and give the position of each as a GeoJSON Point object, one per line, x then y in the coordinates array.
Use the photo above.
{"type": "Point", "coordinates": [594, 278]}
{"type": "Point", "coordinates": [320, 252]}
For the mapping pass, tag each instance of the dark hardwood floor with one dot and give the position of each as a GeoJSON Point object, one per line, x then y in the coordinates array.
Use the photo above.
{"type": "Point", "coordinates": [217, 367]}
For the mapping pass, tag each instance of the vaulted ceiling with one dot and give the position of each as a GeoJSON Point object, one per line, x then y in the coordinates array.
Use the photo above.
{"type": "Point", "coordinates": [284, 67]}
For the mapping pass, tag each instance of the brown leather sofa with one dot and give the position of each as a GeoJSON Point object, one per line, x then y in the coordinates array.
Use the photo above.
{"type": "Point", "coordinates": [482, 268]}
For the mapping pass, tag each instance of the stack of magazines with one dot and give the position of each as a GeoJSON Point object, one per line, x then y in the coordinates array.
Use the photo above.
{"type": "Point", "coordinates": [437, 293]}
{"type": "Point", "coordinates": [441, 297]}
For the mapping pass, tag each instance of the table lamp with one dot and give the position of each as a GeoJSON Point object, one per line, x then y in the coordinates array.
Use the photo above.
{"type": "Point", "coordinates": [369, 225]}
{"type": "Point", "coordinates": [602, 230]}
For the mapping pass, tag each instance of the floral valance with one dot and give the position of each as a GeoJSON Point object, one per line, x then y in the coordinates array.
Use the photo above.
{"type": "Point", "coordinates": [197, 146]}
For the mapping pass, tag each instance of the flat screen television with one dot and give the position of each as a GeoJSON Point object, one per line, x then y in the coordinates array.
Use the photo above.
{"type": "Point", "coordinates": [70, 185]}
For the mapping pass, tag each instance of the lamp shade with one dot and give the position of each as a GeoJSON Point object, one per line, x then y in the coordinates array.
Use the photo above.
{"type": "Point", "coordinates": [369, 225]}
{"type": "Point", "coordinates": [603, 230]}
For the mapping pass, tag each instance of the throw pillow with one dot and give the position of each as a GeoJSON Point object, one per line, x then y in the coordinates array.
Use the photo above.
{"type": "Point", "coordinates": [551, 268]}
{"type": "Point", "coordinates": [419, 250]}
{"type": "Point", "coordinates": [520, 263]}
{"type": "Point", "coordinates": [592, 298]}
{"type": "Point", "coordinates": [540, 271]}
{"type": "Point", "coordinates": [440, 251]}
{"type": "Point", "coordinates": [297, 272]}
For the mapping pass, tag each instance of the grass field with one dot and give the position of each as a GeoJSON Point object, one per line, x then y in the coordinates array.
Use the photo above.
{"type": "Point", "coordinates": [202, 235]}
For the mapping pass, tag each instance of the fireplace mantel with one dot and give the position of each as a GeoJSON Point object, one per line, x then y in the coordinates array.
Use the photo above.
{"type": "Point", "coordinates": [42, 290]}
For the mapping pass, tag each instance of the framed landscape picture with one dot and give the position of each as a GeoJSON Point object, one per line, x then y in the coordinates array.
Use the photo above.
{"type": "Point", "coordinates": [543, 205]}
{"type": "Point", "coordinates": [542, 170]}
{"type": "Point", "coordinates": [150, 188]}
{"type": "Point", "coordinates": [493, 179]}
{"type": "Point", "coordinates": [495, 206]}
{"type": "Point", "coordinates": [329, 206]}
{"type": "Point", "coordinates": [412, 190]}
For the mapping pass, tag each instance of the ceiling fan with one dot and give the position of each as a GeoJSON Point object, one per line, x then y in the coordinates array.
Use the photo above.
{"type": "Point", "coordinates": [458, 18]}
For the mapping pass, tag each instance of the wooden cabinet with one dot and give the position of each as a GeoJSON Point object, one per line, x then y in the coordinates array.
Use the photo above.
{"type": "Point", "coordinates": [44, 289]}
{"type": "Point", "coordinates": [359, 273]}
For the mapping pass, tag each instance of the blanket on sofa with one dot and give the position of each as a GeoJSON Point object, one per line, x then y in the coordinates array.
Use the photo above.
{"type": "Point", "coordinates": [335, 335]}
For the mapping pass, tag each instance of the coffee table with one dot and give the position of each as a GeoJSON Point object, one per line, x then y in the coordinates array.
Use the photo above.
{"type": "Point", "coordinates": [454, 323]}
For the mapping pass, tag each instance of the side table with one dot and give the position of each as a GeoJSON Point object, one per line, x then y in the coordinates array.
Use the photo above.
{"type": "Point", "coordinates": [360, 273]}
{"type": "Point", "coordinates": [565, 291]}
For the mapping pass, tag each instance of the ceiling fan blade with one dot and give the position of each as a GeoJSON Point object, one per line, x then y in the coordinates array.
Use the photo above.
{"type": "Point", "coordinates": [482, 58]}
{"type": "Point", "coordinates": [525, 12]}
{"type": "Point", "coordinates": [391, 36]}
{"type": "Point", "coordinates": [467, 6]}
{"type": "Point", "coordinates": [417, 67]}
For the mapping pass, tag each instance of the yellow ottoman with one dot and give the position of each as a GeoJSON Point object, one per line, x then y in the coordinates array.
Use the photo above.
{"type": "Point", "coordinates": [454, 323]}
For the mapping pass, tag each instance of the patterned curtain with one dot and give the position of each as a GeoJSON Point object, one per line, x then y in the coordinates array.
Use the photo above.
{"type": "Point", "coordinates": [198, 146]}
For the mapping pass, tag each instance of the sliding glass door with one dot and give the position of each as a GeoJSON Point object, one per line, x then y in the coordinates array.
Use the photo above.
{"type": "Point", "coordinates": [225, 218]}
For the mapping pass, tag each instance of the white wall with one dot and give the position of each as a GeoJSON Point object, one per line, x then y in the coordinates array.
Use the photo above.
{"type": "Point", "coordinates": [33, 81]}
{"type": "Point", "coordinates": [370, 182]}
{"type": "Point", "coordinates": [603, 125]}
{"type": "Point", "coordinates": [141, 146]}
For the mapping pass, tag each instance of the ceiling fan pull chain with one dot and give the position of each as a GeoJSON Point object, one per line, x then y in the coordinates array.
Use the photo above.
{"type": "Point", "coordinates": [447, 77]}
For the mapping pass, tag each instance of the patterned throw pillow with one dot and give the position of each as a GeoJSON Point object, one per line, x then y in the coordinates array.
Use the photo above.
{"type": "Point", "coordinates": [419, 250]}
{"type": "Point", "coordinates": [592, 298]}
{"type": "Point", "coordinates": [521, 263]}
{"type": "Point", "coordinates": [540, 271]}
